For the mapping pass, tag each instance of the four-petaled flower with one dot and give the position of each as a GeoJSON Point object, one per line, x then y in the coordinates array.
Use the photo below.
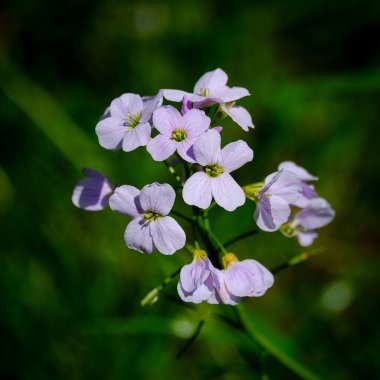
{"type": "Point", "coordinates": [215, 180]}
{"type": "Point", "coordinates": [280, 189]}
{"type": "Point", "coordinates": [198, 279]}
{"type": "Point", "coordinates": [125, 123]}
{"type": "Point", "coordinates": [177, 132]}
{"type": "Point", "coordinates": [212, 88]}
{"type": "Point", "coordinates": [92, 193]}
{"type": "Point", "coordinates": [151, 228]}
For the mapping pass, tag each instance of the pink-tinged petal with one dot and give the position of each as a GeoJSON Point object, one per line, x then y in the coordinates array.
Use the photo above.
{"type": "Point", "coordinates": [92, 193]}
{"type": "Point", "coordinates": [126, 104]}
{"type": "Point", "coordinates": [287, 185]}
{"type": "Point", "coordinates": [226, 192]}
{"type": "Point", "coordinates": [240, 116]}
{"type": "Point", "coordinates": [138, 136]}
{"type": "Point", "coordinates": [150, 104]}
{"type": "Point", "coordinates": [206, 102]}
{"type": "Point", "coordinates": [161, 147]}
{"type": "Point", "coordinates": [207, 148]}
{"type": "Point", "coordinates": [157, 197]}
{"type": "Point", "coordinates": [166, 119]}
{"type": "Point", "coordinates": [219, 129]}
{"type": "Point", "coordinates": [263, 215]}
{"type": "Point", "coordinates": [317, 214]}
{"type": "Point", "coordinates": [211, 80]}
{"type": "Point", "coordinates": [229, 94]}
{"type": "Point", "coordinates": [306, 238]}
{"type": "Point", "coordinates": [184, 149]}
{"type": "Point", "coordinates": [125, 200]}
{"type": "Point", "coordinates": [110, 132]}
{"type": "Point", "coordinates": [300, 171]}
{"type": "Point", "coordinates": [222, 294]}
{"type": "Point", "coordinates": [177, 95]}
{"type": "Point", "coordinates": [280, 210]}
{"type": "Point", "coordinates": [195, 122]}
{"type": "Point", "coordinates": [234, 155]}
{"type": "Point", "coordinates": [137, 236]}
{"type": "Point", "coordinates": [168, 235]}
{"type": "Point", "coordinates": [186, 105]}
{"type": "Point", "coordinates": [106, 114]}
{"type": "Point", "coordinates": [197, 190]}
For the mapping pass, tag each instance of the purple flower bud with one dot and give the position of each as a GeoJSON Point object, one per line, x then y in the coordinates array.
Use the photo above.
{"type": "Point", "coordinates": [93, 192]}
{"type": "Point", "coordinates": [186, 105]}
{"type": "Point", "coordinates": [198, 279]}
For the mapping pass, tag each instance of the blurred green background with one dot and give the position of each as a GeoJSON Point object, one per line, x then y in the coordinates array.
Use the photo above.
{"type": "Point", "coordinates": [71, 290]}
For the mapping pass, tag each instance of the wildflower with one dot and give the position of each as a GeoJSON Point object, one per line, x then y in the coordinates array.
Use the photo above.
{"type": "Point", "coordinates": [214, 180]}
{"type": "Point", "coordinates": [280, 189]}
{"type": "Point", "coordinates": [318, 213]}
{"type": "Point", "coordinates": [177, 132]}
{"type": "Point", "coordinates": [198, 279]}
{"type": "Point", "coordinates": [125, 123]}
{"type": "Point", "coordinates": [247, 278]}
{"type": "Point", "coordinates": [212, 88]}
{"type": "Point", "coordinates": [307, 190]}
{"type": "Point", "coordinates": [151, 228]}
{"type": "Point", "coordinates": [93, 192]}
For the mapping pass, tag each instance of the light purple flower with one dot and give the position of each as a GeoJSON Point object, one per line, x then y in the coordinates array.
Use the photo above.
{"type": "Point", "coordinates": [318, 213]}
{"type": "Point", "coordinates": [211, 86]}
{"type": "Point", "coordinates": [307, 191]}
{"type": "Point", "coordinates": [125, 123]}
{"type": "Point", "coordinates": [177, 132]}
{"type": "Point", "coordinates": [93, 192]}
{"type": "Point", "coordinates": [247, 278]}
{"type": "Point", "coordinates": [198, 279]}
{"type": "Point", "coordinates": [151, 228]}
{"type": "Point", "coordinates": [280, 189]}
{"type": "Point", "coordinates": [239, 115]}
{"type": "Point", "coordinates": [215, 180]}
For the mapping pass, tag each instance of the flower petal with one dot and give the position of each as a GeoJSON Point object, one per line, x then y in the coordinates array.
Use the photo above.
{"type": "Point", "coordinates": [161, 147]}
{"type": "Point", "coordinates": [227, 193]}
{"type": "Point", "coordinates": [234, 155]}
{"type": "Point", "coordinates": [306, 238]}
{"type": "Point", "coordinates": [240, 116]}
{"type": "Point", "coordinates": [125, 105]}
{"type": "Point", "coordinates": [92, 193]}
{"type": "Point", "coordinates": [207, 147]}
{"type": "Point", "coordinates": [197, 190]}
{"type": "Point", "coordinates": [150, 104]}
{"type": "Point", "coordinates": [166, 119]}
{"type": "Point", "coordinates": [125, 200]}
{"type": "Point", "coordinates": [212, 80]}
{"type": "Point", "coordinates": [263, 215]}
{"type": "Point", "coordinates": [110, 132]}
{"type": "Point", "coordinates": [138, 136]}
{"type": "Point", "coordinates": [185, 150]}
{"type": "Point", "coordinates": [157, 197]}
{"type": "Point", "coordinates": [280, 210]}
{"type": "Point", "coordinates": [175, 95]}
{"type": "Point", "coordinates": [317, 214]}
{"type": "Point", "coordinates": [229, 94]}
{"type": "Point", "coordinates": [137, 236]}
{"type": "Point", "coordinates": [168, 235]}
{"type": "Point", "coordinates": [300, 171]}
{"type": "Point", "coordinates": [195, 122]}
{"type": "Point", "coordinates": [287, 185]}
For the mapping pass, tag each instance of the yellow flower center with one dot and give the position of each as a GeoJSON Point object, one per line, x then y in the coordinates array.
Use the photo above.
{"type": "Point", "coordinates": [151, 216]}
{"type": "Point", "coordinates": [178, 135]}
{"type": "Point", "coordinates": [213, 170]}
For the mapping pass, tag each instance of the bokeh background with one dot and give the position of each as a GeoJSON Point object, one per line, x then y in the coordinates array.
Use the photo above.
{"type": "Point", "coordinates": [71, 290]}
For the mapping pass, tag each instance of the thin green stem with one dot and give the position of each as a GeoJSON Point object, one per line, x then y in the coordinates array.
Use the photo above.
{"type": "Point", "coordinates": [240, 237]}
{"type": "Point", "coordinates": [184, 217]}
{"type": "Point", "coordinates": [191, 340]}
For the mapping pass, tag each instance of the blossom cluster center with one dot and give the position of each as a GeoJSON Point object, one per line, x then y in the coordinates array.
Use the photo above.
{"type": "Point", "coordinates": [151, 216]}
{"type": "Point", "coordinates": [204, 91]}
{"type": "Point", "coordinates": [178, 135]}
{"type": "Point", "coordinates": [214, 170]}
{"type": "Point", "coordinates": [133, 119]}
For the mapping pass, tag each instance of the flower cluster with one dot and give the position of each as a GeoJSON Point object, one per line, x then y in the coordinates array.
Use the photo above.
{"type": "Point", "coordinates": [286, 200]}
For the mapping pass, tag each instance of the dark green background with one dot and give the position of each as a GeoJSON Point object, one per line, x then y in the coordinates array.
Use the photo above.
{"type": "Point", "coordinates": [70, 289]}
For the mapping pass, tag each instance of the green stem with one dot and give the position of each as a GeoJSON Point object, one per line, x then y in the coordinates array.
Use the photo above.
{"type": "Point", "coordinates": [240, 237]}
{"type": "Point", "coordinates": [172, 171]}
{"type": "Point", "coordinates": [191, 340]}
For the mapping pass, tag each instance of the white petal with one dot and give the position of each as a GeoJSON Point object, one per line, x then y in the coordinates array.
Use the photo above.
{"type": "Point", "coordinates": [161, 147]}
{"type": "Point", "coordinates": [125, 105]}
{"type": "Point", "coordinates": [138, 136]}
{"type": "Point", "coordinates": [227, 193]}
{"type": "Point", "coordinates": [300, 171]}
{"type": "Point", "coordinates": [240, 116]}
{"type": "Point", "coordinates": [157, 197]}
{"type": "Point", "coordinates": [110, 132]}
{"type": "Point", "coordinates": [212, 80]}
{"type": "Point", "coordinates": [234, 155]}
{"type": "Point", "coordinates": [137, 236]}
{"type": "Point", "coordinates": [168, 235]}
{"type": "Point", "coordinates": [166, 119]}
{"type": "Point", "coordinates": [207, 147]}
{"type": "Point", "coordinates": [197, 190]}
{"type": "Point", "coordinates": [125, 200]}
